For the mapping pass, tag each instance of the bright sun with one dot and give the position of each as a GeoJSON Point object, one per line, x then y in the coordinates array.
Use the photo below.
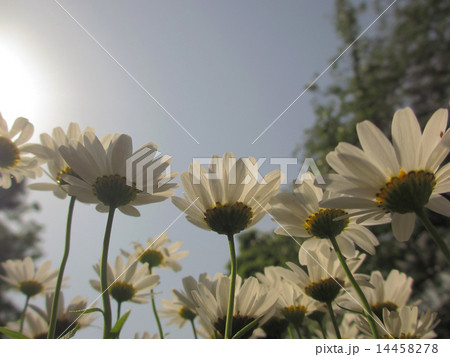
{"type": "Point", "coordinates": [18, 87]}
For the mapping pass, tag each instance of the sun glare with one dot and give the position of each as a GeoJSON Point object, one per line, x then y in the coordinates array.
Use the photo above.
{"type": "Point", "coordinates": [18, 85]}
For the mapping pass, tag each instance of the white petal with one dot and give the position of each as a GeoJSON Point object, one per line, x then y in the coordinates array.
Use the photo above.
{"type": "Point", "coordinates": [378, 147]}
{"type": "Point", "coordinates": [439, 204]}
{"type": "Point", "coordinates": [407, 139]}
{"type": "Point", "coordinates": [403, 225]}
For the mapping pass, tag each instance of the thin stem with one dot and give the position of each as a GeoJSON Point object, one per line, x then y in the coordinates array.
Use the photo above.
{"type": "Point", "coordinates": [155, 312]}
{"type": "Point", "coordinates": [53, 315]}
{"type": "Point", "coordinates": [333, 320]}
{"type": "Point", "coordinates": [368, 310]}
{"type": "Point", "coordinates": [193, 329]}
{"type": "Point", "coordinates": [433, 232]}
{"type": "Point", "coordinates": [229, 322]}
{"type": "Point", "coordinates": [119, 305]}
{"type": "Point", "coordinates": [24, 312]}
{"type": "Point", "coordinates": [104, 277]}
{"type": "Point", "coordinates": [291, 335]}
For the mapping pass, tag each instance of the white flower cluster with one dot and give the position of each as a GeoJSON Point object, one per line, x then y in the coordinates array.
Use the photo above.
{"type": "Point", "coordinates": [324, 296]}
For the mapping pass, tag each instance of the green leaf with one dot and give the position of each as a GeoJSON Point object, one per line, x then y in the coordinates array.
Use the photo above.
{"type": "Point", "coordinates": [352, 311]}
{"type": "Point", "coordinates": [115, 331]}
{"type": "Point", "coordinates": [88, 311]}
{"type": "Point", "coordinates": [13, 334]}
{"type": "Point", "coordinates": [71, 333]}
{"type": "Point", "coordinates": [247, 328]}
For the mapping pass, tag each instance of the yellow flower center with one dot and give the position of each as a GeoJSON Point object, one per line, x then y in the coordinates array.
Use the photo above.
{"type": "Point", "coordinates": [112, 190]}
{"type": "Point", "coordinates": [30, 287]}
{"type": "Point", "coordinates": [229, 218]}
{"type": "Point", "coordinates": [9, 153]}
{"type": "Point", "coordinates": [295, 314]}
{"type": "Point", "coordinates": [407, 192]}
{"type": "Point", "coordinates": [378, 307]}
{"type": "Point", "coordinates": [153, 257]}
{"type": "Point", "coordinates": [65, 171]}
{"type": "Point", "coordinates": [322, 224]}
{"type": "Point", "coordinates": [186, 313]}
{"type": "Point", "coordinates": [122, 291]}
{"type": "Point", "coordinates": [325, 290]}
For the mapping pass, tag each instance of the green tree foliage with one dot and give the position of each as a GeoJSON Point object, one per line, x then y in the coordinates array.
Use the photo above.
{"type": "Point", "coordinates": [258, 250]}
{"type": "Point", "coordinates": [401, 61]}
{"type": "Point", "coordinates": [18, 238]}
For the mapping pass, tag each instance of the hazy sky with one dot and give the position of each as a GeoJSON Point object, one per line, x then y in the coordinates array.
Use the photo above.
{"type": "Point", "coordinates": [224, 69]}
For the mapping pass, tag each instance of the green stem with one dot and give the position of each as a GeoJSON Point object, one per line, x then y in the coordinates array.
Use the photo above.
{"type": "Point", "coordinates": [333, 320]}
{"type": "Point", "coordinates": [193, 329]}
{"type": "Point", "coordinates": [368, 310]}
{"type": "Point", "coordinates": [119, 305]}
{"type": "Point", "coordinates": [24, 312]}
{"type": "Point", "coordinates": [155, 312]}
{"type": "Point", "coordinates": [104, 277]}
{"type": "Point", "coordinates": [291, 335]}
{"type": "Point", "coordinates": [54, 312]}
{"type": "Point", "coordinates": [229, 322]}
{"type": "Point", "coordinates": [433, 232]}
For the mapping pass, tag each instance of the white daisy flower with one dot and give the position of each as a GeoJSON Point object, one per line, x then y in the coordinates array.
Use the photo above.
{"type": "Point", "coordinates": [184, 308]}
{"type": "Point", "coordinates": [294, 305]}
{"type": "Point", "coordinates": [156, 254]}
{"type": "Point", "coordinates": [127, 282]}
{"type": "Point", "coordinates": [102, 174]}
{"type": "Point", "coordinates": [177, 311]}
{"type": "Point", "coordinates": [146, 335]}
{"type": "Point", "coordinates": [392, 293]}
{"type": "Point", "coordinates": [190, 284]}
{"type": "Point", "coordinates": [66, 318]}
{"type": "Point", "coordinates": [326, 277]}
{"type": "Point", "coordinates": [56, 164]}
{"type": "Point", "coordinates": [36, 326]}
{"type": "Point", "coordinates": [228, 198]}
{"type": "Point", "coordinates": [14, 162]}
{"type": "Point", "coordinates": [348, 328]}
{"type": "Point", "coordinates": [404, 323]}
{"type": "Point", "coordinates": [251, 302]}
{"type": "Point", "coordinates": [23, 276]}
{"type": "Point", "coordinates": [396, 179]}
{"type": "Point", "coordinates": [299, 215]}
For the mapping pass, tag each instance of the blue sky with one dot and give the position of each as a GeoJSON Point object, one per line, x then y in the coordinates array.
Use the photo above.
{"type": "Point", "coordinates": [224, 70]}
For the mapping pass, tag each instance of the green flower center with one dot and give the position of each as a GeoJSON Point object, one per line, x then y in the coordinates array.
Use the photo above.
{"type": "Point", "coordinates": [239, 322]}
{"type": "Point", "coordinates": [30, 287]}
{"type": "Point", "coordinates": [9, 153]}
{"type": "Point", "coordinates": [295, 314]}
{"type": "Point", "coordinates": [325, 290]}
{"type": "Point", "coordinates": [64, 326]}
{"type": "Point", "coordinates": [65, 171]}
{"type": "Point", "coordinates": [407, 192]}
{"type": "Point", "coordinates": [112, 190]}
{"type": "Point", "coordinates": [378, 307]}
{"type": "Point", "coordinates": [186, 313]}
{"type": "Point", "coordinates": [322, 224]}
{"type": "Point", "coordinates": [122, 291]}
{"type": "Point", "coordinates": [229, 218]}
{"type": "Point", "coordinates": [153, 257]}
{"type": "Point", "coordinates": [275, 327]}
